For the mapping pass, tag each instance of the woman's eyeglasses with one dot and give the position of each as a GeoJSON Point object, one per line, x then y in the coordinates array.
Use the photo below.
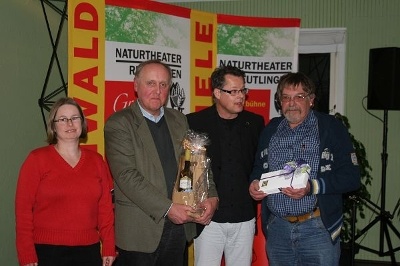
{"type": "Point", "coordinates": [64, 120]}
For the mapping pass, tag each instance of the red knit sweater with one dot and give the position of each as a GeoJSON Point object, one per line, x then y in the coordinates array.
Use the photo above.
{"type": "Point", "coordinates": [60, 205]}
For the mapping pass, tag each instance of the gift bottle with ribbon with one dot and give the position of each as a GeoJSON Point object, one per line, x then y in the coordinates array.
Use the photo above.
{"type": "Point", "coordinates": [186, 175]}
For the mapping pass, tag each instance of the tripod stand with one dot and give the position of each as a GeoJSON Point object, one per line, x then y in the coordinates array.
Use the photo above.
{"type": "Point", "coordinates": [383, 216]}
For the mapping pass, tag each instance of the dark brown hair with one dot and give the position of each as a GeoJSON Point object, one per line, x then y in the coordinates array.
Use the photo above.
{"type": "Point", "coordinates": [295, 79]}
{"type": "Point", "coordinates": [218, 75]}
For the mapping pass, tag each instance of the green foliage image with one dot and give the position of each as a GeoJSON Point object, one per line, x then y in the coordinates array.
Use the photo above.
{"type": "Point", "coordinates": [255, 41]}
{"type": "Point", "coordinates": [144, 27]}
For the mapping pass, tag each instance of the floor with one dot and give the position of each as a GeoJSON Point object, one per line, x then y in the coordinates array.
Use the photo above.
{"type": "Point", "coordinates": [371, 263]}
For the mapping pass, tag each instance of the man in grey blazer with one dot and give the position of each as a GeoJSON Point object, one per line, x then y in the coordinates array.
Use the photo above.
{"type": "Point", "coordinates": [142, 146]}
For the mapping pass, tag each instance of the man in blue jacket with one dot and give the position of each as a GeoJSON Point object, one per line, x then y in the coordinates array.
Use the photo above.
{"type": "Point", "coordinates": [302, 226]}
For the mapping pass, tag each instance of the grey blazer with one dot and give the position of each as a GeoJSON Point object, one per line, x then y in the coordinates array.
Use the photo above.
{"type": "Point", "coordinates": [141, 198]}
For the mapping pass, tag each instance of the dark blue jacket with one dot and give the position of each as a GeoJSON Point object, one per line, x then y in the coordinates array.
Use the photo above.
{"type": "Point", "coordinates": [338, 171]}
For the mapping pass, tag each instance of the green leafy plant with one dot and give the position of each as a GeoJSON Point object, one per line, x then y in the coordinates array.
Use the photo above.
{"type": "Point", "coordinates": [362, 193]}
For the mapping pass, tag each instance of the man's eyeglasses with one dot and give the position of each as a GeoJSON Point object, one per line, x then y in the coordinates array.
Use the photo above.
{"type": "Point", "coordinates": [64, 120]}
{"type": "Point", "coordinates": [297, 98]}
{"type": "Point", "coordinates": [236, 92]}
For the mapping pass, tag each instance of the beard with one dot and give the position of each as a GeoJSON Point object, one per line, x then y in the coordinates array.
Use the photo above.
{"type": "Point", "coordinates": [293, 115]}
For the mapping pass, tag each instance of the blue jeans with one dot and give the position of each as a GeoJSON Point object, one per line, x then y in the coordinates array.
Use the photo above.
{"type": "Point", "coordinates": [305, 243]}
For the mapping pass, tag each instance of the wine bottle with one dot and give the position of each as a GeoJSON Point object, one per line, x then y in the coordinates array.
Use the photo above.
{"type": "Point", "coordinates": [186, 175]}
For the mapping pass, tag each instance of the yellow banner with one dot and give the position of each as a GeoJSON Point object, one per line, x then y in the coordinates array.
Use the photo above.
{"type": "Point", "coordinates": [86, 74]}
{"type": "Point", "coordinates": [203, 56]}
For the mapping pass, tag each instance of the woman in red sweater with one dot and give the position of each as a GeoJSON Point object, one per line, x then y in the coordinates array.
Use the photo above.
{"type": "Point", "coordinates": [63, 203]}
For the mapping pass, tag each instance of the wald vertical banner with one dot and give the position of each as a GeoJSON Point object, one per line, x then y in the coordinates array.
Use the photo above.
{"type": "Point", "coordinates": [108, 39]}
{"type": "Point", "coordinates": [86, 27]}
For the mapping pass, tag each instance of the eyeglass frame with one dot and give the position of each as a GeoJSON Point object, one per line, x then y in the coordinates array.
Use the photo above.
{"type": "Point", "coordinates": [243, 91]}
{"type": "Point", "coordinates": [296, 98]}
{"type": "Point", "coordinates": [65, 120]}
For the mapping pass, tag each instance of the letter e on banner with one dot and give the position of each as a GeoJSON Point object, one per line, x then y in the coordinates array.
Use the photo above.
{"type": "Point", "coordinates": [203, 49]}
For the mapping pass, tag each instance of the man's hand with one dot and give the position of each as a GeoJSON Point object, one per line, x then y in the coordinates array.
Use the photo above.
{"type": "Point", "coordinates": [296, 193]}
{"type": "Point", "coordinates": [254, 190]}
{"type": "Point", "coordinates": [180, 213]}
{"type": "Point", "coordinates": [208, 206]}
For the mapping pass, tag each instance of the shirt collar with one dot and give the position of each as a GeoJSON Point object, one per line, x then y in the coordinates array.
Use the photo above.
{"type": "Point", "coordinates": [151, 117]}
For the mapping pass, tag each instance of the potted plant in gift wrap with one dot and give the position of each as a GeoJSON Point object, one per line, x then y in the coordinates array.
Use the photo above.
{"type": "Point", "coordinates": [353, 199]}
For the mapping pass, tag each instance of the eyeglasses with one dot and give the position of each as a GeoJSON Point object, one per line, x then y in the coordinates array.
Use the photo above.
{"type": "Point", "coordinates": [64, 120]}
{"type": "Point", "coordinates": [236, 92]}
{"type": "Point", "coordinates": [297, 98]}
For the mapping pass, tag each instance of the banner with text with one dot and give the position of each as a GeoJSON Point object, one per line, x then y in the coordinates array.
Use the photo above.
{"type": "Point", "coordinates": [107, 40]}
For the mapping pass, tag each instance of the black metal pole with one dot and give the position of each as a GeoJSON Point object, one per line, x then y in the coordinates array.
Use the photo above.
{"type": "Point", "coordinates": [353, 231]}
{"type": "Point", "coordinates": [383, 217]}
{"type": "Point", "coordinates": [384, 157]}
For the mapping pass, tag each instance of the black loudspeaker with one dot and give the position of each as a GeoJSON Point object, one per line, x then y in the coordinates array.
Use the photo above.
{"type": "Point", "coordinates": [384, 79]}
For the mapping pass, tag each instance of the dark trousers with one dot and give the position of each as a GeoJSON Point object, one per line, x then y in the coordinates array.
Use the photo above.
{"type": "Point", "coordinates": [51, 255]}
{"type": "Point", "coordinates": [170, 250]}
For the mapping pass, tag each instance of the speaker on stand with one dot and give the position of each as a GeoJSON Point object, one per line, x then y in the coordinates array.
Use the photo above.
{"type": "Point", "coordinates": [383, 94]}
{"type": "Point", "coordinates": [384, 79]}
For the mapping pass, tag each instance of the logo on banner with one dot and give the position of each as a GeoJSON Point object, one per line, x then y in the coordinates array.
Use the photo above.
{"type": "Point", "coordinates": [177, 97]}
